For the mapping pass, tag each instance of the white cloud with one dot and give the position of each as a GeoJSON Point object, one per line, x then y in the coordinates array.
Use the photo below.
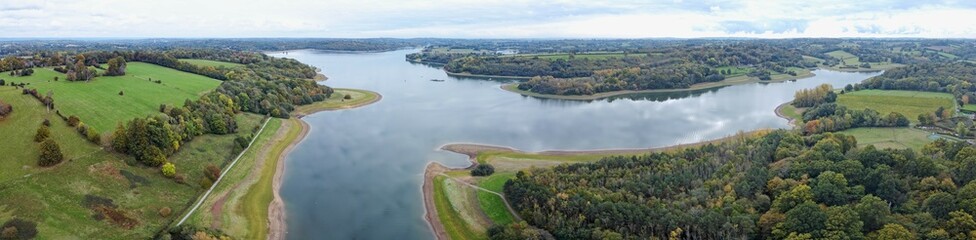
{"type": "Point", "coordinates": [485, 19]}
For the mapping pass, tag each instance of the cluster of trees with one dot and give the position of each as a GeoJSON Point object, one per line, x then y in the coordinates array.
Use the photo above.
{"type": "Point", "coordinates": [116, 66]}
{"type": "Point", "coordinates": [811, 97]}
{"type": "Point", "coordinates": [22, 72]}
{"type": "Point", "coordinates": [267, 86]}
{"type": "Point", "coordinates": [483, 170]}
{"type": "Point", "coordinates": [79, 71]}
{"type": "Point", "coordinates": [11, 63]}
{"type": "Point", "coordinates": [778, 186]}
{"type": "Point", "coordinates": [664, 77]}
{"type": "Point", "coordinates": [150, 140]}
{"type": "Point", "coordinates": [831, 117]}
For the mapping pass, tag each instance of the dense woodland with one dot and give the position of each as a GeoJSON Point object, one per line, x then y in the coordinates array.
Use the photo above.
{"type": "Point", "coordinates": [778, 186]}
{"type": "Point", "coordinates": [956, 78]}
{"type": "Point", "coordinates": [657, 59]}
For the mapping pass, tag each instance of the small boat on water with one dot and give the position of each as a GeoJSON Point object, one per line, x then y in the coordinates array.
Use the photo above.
{"type": "Point", "coordinates": [437, 80]}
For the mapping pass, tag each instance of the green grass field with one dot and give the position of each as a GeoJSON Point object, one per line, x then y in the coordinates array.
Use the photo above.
{"type": "Point", "coordinates": [492, 204]}
{"type": "Point", "coordinates": [211, 63]}
{"type": "Point", "coordinates": [98, 102]}
{"type": "Point", "coordinates": [909, 103]}
{"type": "Point", "coordinates": [20, 152]}
{"type": "Point", "coordinates": [845, 57]}
{"type": "Point", "coordinates": [792, 112]}
{"type": "Point", "coordinates": [812, 59]}
{"type": "Point", "coordinates": [969, 107]}
{"type": "Point", "coordinates": [53, 197]}
{"type": "Point", "coordinates": [736, 71]}
{"type": "Point", "coordinates": [895, 138]}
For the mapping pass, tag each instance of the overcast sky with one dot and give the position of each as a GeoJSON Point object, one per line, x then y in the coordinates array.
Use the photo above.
{"type": "Point", "coordinates": [487, 19]}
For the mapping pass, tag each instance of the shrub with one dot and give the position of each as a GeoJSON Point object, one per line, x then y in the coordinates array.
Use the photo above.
{"type": "Point", "coordinates": [121, 93]}
{"type": "Point", "coordinates": [18, 229]}
{"type": "Point", "coordinates": [165, 212]}
{"type": "Point", "coordinates": [483, 170]}
{"type": "Point", "coordinates": [46, 122]}
{"type": "Point", "coordinates": [347, 97]}
{"type": "Point", "coordinates": [5, 109]}
{"type": "Point", "coordinates": [212, 172]}
{"type": "Point", "coordinates": [50, 154]}
{"type": "Point", "coordinates": [93, 136]}
{"type": "Point", "coordinates": [242, 141]}
{"type": "Point", "coordinates": [169, 170]}
{"type": "Point", "coordinates": [73, 120]}
{"type": "Point", "coordinates": [205, 183]}
{"type": "Point", "coordinates": [179, 178]}
{"type": "Point", "coordinates": [42, 133]}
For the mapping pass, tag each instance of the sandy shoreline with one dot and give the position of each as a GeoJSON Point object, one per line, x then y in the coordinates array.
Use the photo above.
{"type": "Point", "coordinates": [779, 113]}
{"type": "Point", "coordinates": [277, 227]}
{"type": "Point", "coordinates": [276, 210]}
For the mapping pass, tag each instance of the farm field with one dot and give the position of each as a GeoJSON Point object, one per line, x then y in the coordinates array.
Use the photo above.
{"type": "Point", "coordinates": [211, 63]}
{"type": "Point", "coordinates": [848, 59]}
{"type": "Point", "coordinates": [895, 138]}
{"type": "Point", "coordinates": [98, 102]}
{"type": "Point", "coordinates": [845, 57]}
{"type": "Point", "coordinates": [909, 103]}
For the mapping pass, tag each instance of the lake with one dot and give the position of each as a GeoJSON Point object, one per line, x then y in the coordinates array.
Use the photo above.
{"type": "Point", "coordinates": [359, 172]}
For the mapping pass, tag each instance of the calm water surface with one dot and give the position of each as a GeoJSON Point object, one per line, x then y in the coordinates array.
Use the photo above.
{"type": "Point", "coordinates": [358, 173]}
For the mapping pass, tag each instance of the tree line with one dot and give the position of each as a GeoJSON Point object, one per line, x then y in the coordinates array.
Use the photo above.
{"type": "Point", "coordinates": [781, 185]}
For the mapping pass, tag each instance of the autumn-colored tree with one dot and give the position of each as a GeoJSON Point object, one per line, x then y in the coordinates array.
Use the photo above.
{"type": "Point", "coordinates": [116, 67]}
{"type": "Point", "coordinates": [892, 231]}
{"type": "Point", "coordinates": [169, 169]}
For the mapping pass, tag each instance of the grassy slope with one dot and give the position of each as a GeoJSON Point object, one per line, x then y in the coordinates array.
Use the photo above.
{"type": "Point", "coordinates": [453, 222]}
{"type": "Point", "coordinates": [909, 103]}
{"type": "Point", "coordinates": [98, 103]}
{"type": "Point", "coordinates": [897, 138]}
{"type": "Point", "coordinates": [230, 221]}
{"type": "Point", "coordinates": [53, 196]}
{"type": "Point", "coordinates": [20, 152]}
{"type": "Point", "coordinates": [211, 63]}
{"type": "Point", "coordinates": [492, 204]}
{"type": "Point", "coordinates": [247, 191]}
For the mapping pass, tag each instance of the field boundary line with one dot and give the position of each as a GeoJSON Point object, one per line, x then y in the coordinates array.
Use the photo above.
{"type": "Point", "coordinates": [229, 167]}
